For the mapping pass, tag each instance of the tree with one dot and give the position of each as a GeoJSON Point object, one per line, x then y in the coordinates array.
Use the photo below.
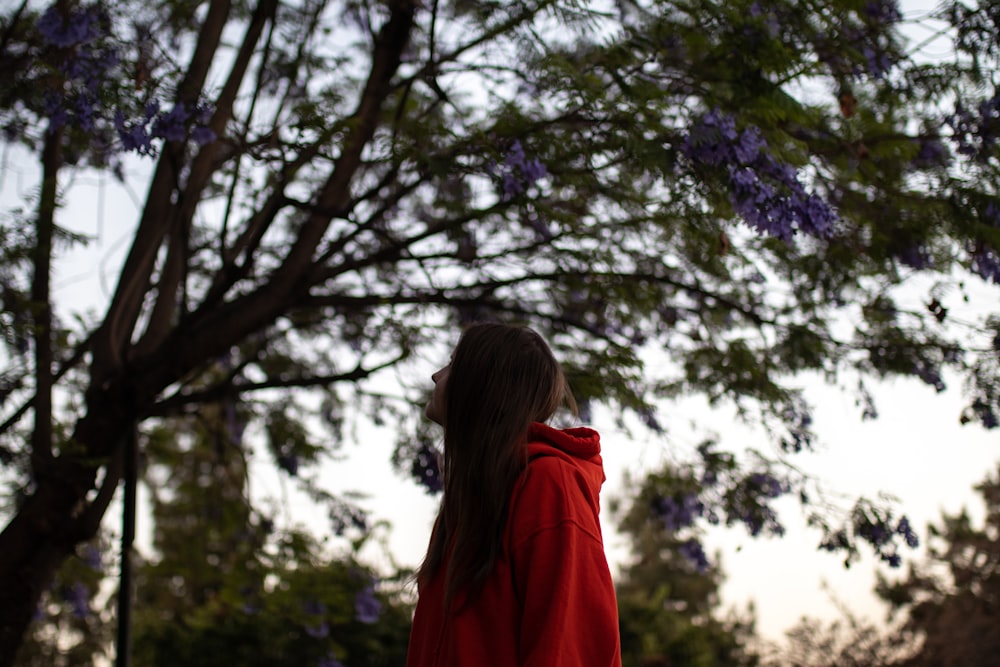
{"type": "Point", "coordinates": [668, 592]}
{"type": "Point", "coordinates": [225, 584]}
{"type": "Point", "coordinates": [744, 187]}
{"type": "Point", "coordinates": [846, 642]}
{"type": "Point", "coordinates": [73, 626]}
{"type": "Point", "coordinates": [948, 603]}
{"type": "Point", "coordinates": [229, 586]}
{"type": "Point", "coordinates": [943, 612]}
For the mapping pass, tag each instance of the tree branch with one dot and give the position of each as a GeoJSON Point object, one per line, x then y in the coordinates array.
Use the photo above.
{"type": "Point", "coordinates": [162, 319]}
{"type": "Point", "coordinates": [114, 336]}
{"type": "Point", "coordinates": [41, 304]}
{"type": "Point", "coordinates": [213, 330]}
{"type": "Point", "coordinates": [176, 403]}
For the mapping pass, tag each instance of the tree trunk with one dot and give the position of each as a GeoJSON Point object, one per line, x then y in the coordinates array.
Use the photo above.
{"type": "Point", "coordinates": [22, 584]}
{"type": "Point", "coordinates": [62, 511]}
{"type": "Point", "coordinates": [60, 514]}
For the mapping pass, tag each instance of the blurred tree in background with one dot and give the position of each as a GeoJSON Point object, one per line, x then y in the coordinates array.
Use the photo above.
{"type": "Point", "coordinates": [942, 613]}
{"type": "Point", "coordinates": [724, 199]}
{"type": "Point", "coordinates": [846, 642]}
{"type": "Point", "coordinates": [950, 602]}
{"type": "Point", "coordinates": [668, 592]}
{"type": "Point", "coordinates": [225, 585]}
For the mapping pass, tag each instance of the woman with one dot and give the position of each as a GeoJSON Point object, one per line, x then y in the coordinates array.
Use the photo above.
{"type": "Point", "coordinates": [515, 574]}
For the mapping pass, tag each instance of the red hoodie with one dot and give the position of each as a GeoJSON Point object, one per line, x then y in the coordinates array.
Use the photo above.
{"type": "Point", "coordinates": [550, 601]}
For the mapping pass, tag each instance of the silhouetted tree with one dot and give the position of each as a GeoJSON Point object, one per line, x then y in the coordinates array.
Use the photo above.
{"type": "Point", "coordinates": [950, 602]}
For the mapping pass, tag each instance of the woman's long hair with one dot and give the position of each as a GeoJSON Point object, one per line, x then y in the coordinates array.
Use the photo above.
{"type": "Point", "coordinates": [502, 378]}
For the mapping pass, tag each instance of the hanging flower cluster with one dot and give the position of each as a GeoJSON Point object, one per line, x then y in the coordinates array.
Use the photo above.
{"type": "Point", "coordinates": [87, 63]}
{"type": "Point", "coordinates": [862, 45]}
{"type": "Point", "coordinates": [765, 192]}
{"type": "Point", "coordinates": [976, 131]}
{"type": "Point", "coordinates": [986, 259]}
{"type": "Point", "coordinates": [518, 172]}
{"type": "Point", "coordinates": [84, 58]}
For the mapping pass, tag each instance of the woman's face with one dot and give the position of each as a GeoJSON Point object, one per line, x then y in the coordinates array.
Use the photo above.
{"type": "Point", "coordinates": [437, 407]}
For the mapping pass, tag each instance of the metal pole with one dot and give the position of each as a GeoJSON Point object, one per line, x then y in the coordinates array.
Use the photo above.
{"type": "Point", "coordinates": [123, 653]}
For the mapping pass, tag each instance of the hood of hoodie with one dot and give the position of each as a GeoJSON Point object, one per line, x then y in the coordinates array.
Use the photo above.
{"type": "Point", "coordinates": [580, 446]}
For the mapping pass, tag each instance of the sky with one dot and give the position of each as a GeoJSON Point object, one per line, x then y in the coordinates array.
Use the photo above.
{"type": "Point", "coordinates": [916, 450]}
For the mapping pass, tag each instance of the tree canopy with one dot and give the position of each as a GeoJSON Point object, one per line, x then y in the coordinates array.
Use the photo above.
{"type": "Point", "coordinates": [709, 197]}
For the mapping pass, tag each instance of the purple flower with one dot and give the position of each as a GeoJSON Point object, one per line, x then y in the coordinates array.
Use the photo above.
{"type": "Point", "coordinates": [873, 530]}
{"type": "Point", "coordinates": [75, 27]}
{"type": "Point", "coordinates": [915, 256]}
{"type": "Point", "coordinates": [986, 263]}
{"type": "Point", "coordinates": [883, 12]}
{"type": "Point", "coordinates": [766, 193]}
{"type": "Point", "coordinates": [518, 172]}
{"type": "Point", "coordinates": [426, 469]}
{"type": "Point", "coordinates": [677, 512]}
{"type": "Point", "coordinates": [78, 597]}
{"type": "Point", "coordinates": [976, 133]}
{"type": "Point", "coordinates": [991, 213]}
{"type": "Point", "coordinates": [92, 557]}
{"type": "Point", "coordinates": [904, 529]}
{"type": "Point", "coordinates": [515, 157]}
{"type": "Point", "coordinates": [750, 145]}
{"type": "Point", "coordinates": [202, 135]}
{"type": "Point", "coordinates": [772, 25]}
{"type": "Point", "coordinates": [171, 125]}
{"type": "Point", "coordinates": [695, 554]}
{"type": "Point", "coordinates": [767, 485]}
{"type": "Point", "coordinates": [512, 186]}
{"type": "Point", "coordinates": [329, 661]}
{"type": "Point", "coordinates": [319, 631]}
{"type": "Point", "coordinates": [84, 112]}
{"type": "Point", "coordinates": [534, 170]}
{"type": "Point", "coordinates": [367, 607]}
{"type": "Point", "coordinates": [134, 136]}
{"type": "Point", "coordinates": [55, 109]}
{"type": "Point", "coordinates": [878, 61]}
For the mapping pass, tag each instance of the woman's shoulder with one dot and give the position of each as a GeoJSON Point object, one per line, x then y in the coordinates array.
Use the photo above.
{"type": "Point", "coordinates": [552, 491]}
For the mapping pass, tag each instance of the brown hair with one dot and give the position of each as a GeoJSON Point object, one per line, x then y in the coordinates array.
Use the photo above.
{"type": "Point", "coordinates": [502, 378]}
